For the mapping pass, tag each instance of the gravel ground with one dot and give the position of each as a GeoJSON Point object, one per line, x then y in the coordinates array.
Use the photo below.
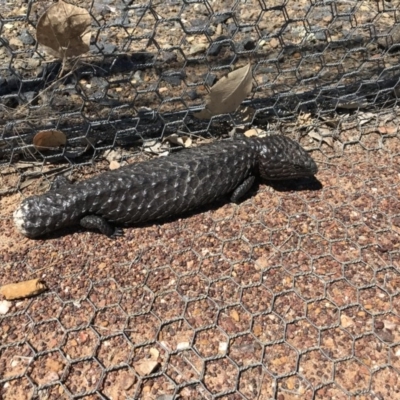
{"type": "Point", "coordinates": [288, 295]}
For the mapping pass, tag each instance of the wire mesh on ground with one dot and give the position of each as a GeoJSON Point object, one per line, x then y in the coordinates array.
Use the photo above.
{"type": "Point", "coordinates": [288, 295]}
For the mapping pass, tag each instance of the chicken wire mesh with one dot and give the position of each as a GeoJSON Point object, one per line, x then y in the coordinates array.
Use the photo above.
{"type": "Point", "coordinates": [292, 294]}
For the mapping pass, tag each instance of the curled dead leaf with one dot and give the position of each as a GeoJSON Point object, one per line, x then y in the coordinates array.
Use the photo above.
{"type": "Point", "coordinates": [21, 290]}
{"type": "Point", "coordinates": [227, 94]}
{"type": "Point", "coordinates": [50, 139]}
{"type": "Point", "coordinates": [64, 29]}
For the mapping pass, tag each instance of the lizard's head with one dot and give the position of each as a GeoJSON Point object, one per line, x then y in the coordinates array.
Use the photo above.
{"type": "Point", "coordinates": [282, 158]}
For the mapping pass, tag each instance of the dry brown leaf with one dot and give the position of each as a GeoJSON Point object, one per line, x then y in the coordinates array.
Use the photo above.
{"type": "Point", "coordinates": [48, 140]}
{"type": "Point", "coordinates": [64, 29]}
{"type": "Point", "coordinates": [185, 141]}
{"type": "Point", "coordinates": [21, 290]}
{"type": "Point", "coordinates": [227, 94]}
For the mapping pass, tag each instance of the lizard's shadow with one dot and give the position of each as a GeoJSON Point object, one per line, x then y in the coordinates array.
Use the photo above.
{"type": "Point", "coordinates": [298, 184]}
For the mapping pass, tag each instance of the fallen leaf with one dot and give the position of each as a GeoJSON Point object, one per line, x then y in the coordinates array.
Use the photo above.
{"type": "Point", "coordinates": [227, 94]}
{"type": "Point", "coordinates": [145, 367]}
{"type": "Point", "coordinates": [156, 147]}
{"type": "Point", "coordinates": [50, 139]}
{"type": "Point", "coordinates": [112, 155]}
{"type": "Point", "coordinates": [364, 118]}
{"type": "Point", "coordinates": [114, 165]}
{"type": "Point", "coordinates": [185, 141]}
{"type": "Point", "coordinates": [317, 136]}
{"type": "Point", "coordinates": [27, 183]}
{"type": "Point", "coordinates": [254, 132]}
{"type": "Point", "coordinates": [197, 48]}
{"type": "Point", "coordinates": [154, 353]}
{"type": "Point", "coordinates": [64, 29]}
{"type": "Point", "coordinates": [24, 289]}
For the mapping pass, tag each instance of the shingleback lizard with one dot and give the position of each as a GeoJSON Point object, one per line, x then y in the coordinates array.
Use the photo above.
{"type": "Point", "coordinates": [163, 187]}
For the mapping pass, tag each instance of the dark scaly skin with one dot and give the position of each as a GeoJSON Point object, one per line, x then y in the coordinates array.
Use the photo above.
{"type": "Point", "coordinates": [163, 187]}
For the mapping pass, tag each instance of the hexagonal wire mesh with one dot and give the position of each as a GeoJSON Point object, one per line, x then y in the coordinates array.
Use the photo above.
{"type": "Point", "coordinates": [292, 294]}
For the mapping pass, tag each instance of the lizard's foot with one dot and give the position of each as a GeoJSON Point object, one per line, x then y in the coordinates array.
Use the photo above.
{"type": "Point", "coordinates": [117, 232]}
{"type": "Point", "coordinates": [242, 189]}
{"type": "Point", "coordinates": [99, 223]}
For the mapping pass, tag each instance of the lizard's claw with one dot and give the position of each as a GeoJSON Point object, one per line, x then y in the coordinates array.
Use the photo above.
{"type": "Point", "coordinates": [117, 233]}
